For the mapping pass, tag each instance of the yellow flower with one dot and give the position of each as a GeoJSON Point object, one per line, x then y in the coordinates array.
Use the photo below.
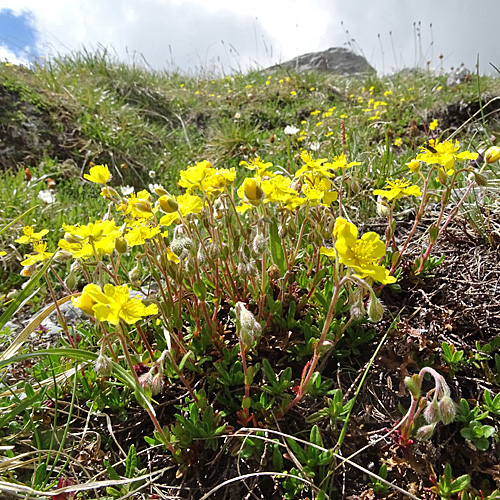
{"type": "Point", "coordinates": [98, 174]}
{"type": "Point", "coordinates": [257, 164]}
{"type": "Point", "coordinates": [278, 190]}
{"type": "Point", "coordinates": [138, 206]}
{"type": "Point", "coordinates": [39, 247]}
{"type": "Point", "coordinates": [433, 125]}
{"type": "Point", "coordinates": [213, 184]}
{"type": "Point", "coordinates": [360, 255]}
{"type": "Point", "coordinates": [138, 234]}
{"type": "Point", "coordinates": [113, 304]}
{"type": "Point", "coordinates": [81, 241]}
{"type": "Point", "coordinates": [396, 189]}
{"type": "Point", "coordinates": [413, 165]}
{"type": "Point", "coordinates": [444, 154]}
{"type": "Point", "coordinates": [192, 177]}
{"type": "Point", "coordinates": [189, 204]}
{"type": "Point", "coordinates": [30, 236]}
{"type": "Point", "coordinates": [341, 162]}
{"type": "Point", "coordinates": [321, 166]}
{"type": "Point", "coordinates": [398, 142]}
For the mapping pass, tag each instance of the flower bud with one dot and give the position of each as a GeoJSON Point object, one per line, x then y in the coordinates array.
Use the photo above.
{"type": "Point", "coordinates": [480, 179]}
{"type": "Point", "coordinates": [447, 410]}
{"type": "Point", "coordinates": [201, 257]}
{"type": "Point", "coordinates": [274, 272]}
{"type": "Point", "coordinates": [442, 177]}
{"type": "Point", "coordinates": [110, 193]}
{"type": "Point", "coordinates": [241, 269]}
{"type": "Point", "coordinates": [247, 326]}
{"type": "Point", "coordinates": [71, 281]}
{"type": "Point", "coordinates": [62, 256]}
{"type": "Point", "coordinates": [213, 251]}
{"type": "Point", "coordinates": [168, 204]}
{"type": "Point", "coordinates": [357, 311]}
{"type": "Point", "coordinates": [425, 432]}
{"type": "Point", "coordinates": [375, 309]}
{"type": "Point", "coordinates": [145, 380]}
{"type": "Point", "coordinates": [135, 274]}
{"type": "Point", "coordinates": [103, 366]}
{"type": "Point", "coordinates": [250, 269]}
{"type": "Point", "coordinates": [121, 245]}
{"type": "Point", "coordinates": [160, 191]}
{"type": "Point", "coordinates": [252, 191]}
{"type": "Point", "coordinates": [413, 385]}
{"type": "Point", "coordinates": [180, 243]}
{"type": "Point", "coordinates": [383, 209]}
{"type": "Point", "coordinates": [259, 245]}
{"type": "Point", "coordinates": [73, 238]}
{"type": "Point", "coordinates": [492, 154]}
{"type": "Point", "coordinates": [431, 412]}
{"type": "Point", "coordinates": [157, 384]}
{"type": "Point", "coordinates": [27, 271]}
{"type": "Point", "coordinates": [143, 206]}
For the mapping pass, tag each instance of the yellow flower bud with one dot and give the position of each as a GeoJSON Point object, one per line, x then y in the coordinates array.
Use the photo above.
{"type": "Point", "coordinates": [143, 206]}
{"type": "Point", "coordinates": [121, 245]}
{"type": "Point", "coordinates": [253, 192]}
{"type": "Point", "coordinates": [492, 154]}
{"type": "Point", "coordinates": [168, 204]}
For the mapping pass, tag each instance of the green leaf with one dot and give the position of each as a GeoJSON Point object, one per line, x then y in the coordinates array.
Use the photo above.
{"type": "Point", "coordinates": [200, 290]}
{"type": "Point", "coordinates": [315, 436]}
{"type": "Point", "coordinates": [460, 483]}
{"type": "Point", "coordinates": [276, 249]}
{"type": "Point", "coordinates": [111, 471]}
{"type": "Point", "coordinates": [131, 462]}
{"type": "Point", "coordinates": [268, 370]}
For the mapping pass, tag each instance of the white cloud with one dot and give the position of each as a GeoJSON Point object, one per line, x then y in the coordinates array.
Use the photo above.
{"type": "Point", "coordinates": [233, 33]}
{"type": "Point", "coordinates": [6, 55]}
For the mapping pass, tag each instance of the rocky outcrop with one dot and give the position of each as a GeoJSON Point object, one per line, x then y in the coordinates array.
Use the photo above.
{"type": "Point", "coordinates": [335, 60]}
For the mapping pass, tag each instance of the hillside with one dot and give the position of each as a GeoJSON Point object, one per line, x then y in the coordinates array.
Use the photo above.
{"type": "Point", "coordinates": [271, 285]}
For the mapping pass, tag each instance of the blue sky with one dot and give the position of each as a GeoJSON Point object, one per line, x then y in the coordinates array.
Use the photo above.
{"type": "Point", "coordinates": [228, 35]}
{"type": "Point", "coordinates": [17, 35]}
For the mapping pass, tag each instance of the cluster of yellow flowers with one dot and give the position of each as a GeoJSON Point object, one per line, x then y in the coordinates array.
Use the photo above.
{"type": "Point", "coordinates": [312, 185]}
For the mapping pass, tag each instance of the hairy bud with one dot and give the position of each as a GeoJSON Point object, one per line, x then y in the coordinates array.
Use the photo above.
{"type": "Point", "coordinates": [103, 366]}
{"type": "Point", "coordinates": [431, 412]}
{"type": "Point", "coordinates": [375, 309]}
{"type": "Point", "coordinates": [259, 245]}
{"type": "Point", "coordinates": [447, 410]}
{"type": "Point", "coordinates": [62, 256]}
{"type": "Point", "coordinates": [425, 432]}
{"type": "Point", "coordinates": [180, 243]}
{"type": "Point", "coordinates": [248, 328]}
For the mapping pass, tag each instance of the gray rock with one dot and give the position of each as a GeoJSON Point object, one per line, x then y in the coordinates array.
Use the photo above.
{"type": "Point", "coordinates": [335, 60]}
{"type": "Point", "coordinates": [458, 76]}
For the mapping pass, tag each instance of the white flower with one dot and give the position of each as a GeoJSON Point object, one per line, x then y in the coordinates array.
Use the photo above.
{"type": "Point", "coordinates": [237, 116]}
{"type": "Point", "coordinates": [47, 196]}
{"type": "Point", "coordinates": [152, 174]}
{"type": "Point", "coordinates": [126, 190]}
{"type": "Point", "coordinates": [314, 146]}
{"type": "Point", "coordinates": [291, 130]}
